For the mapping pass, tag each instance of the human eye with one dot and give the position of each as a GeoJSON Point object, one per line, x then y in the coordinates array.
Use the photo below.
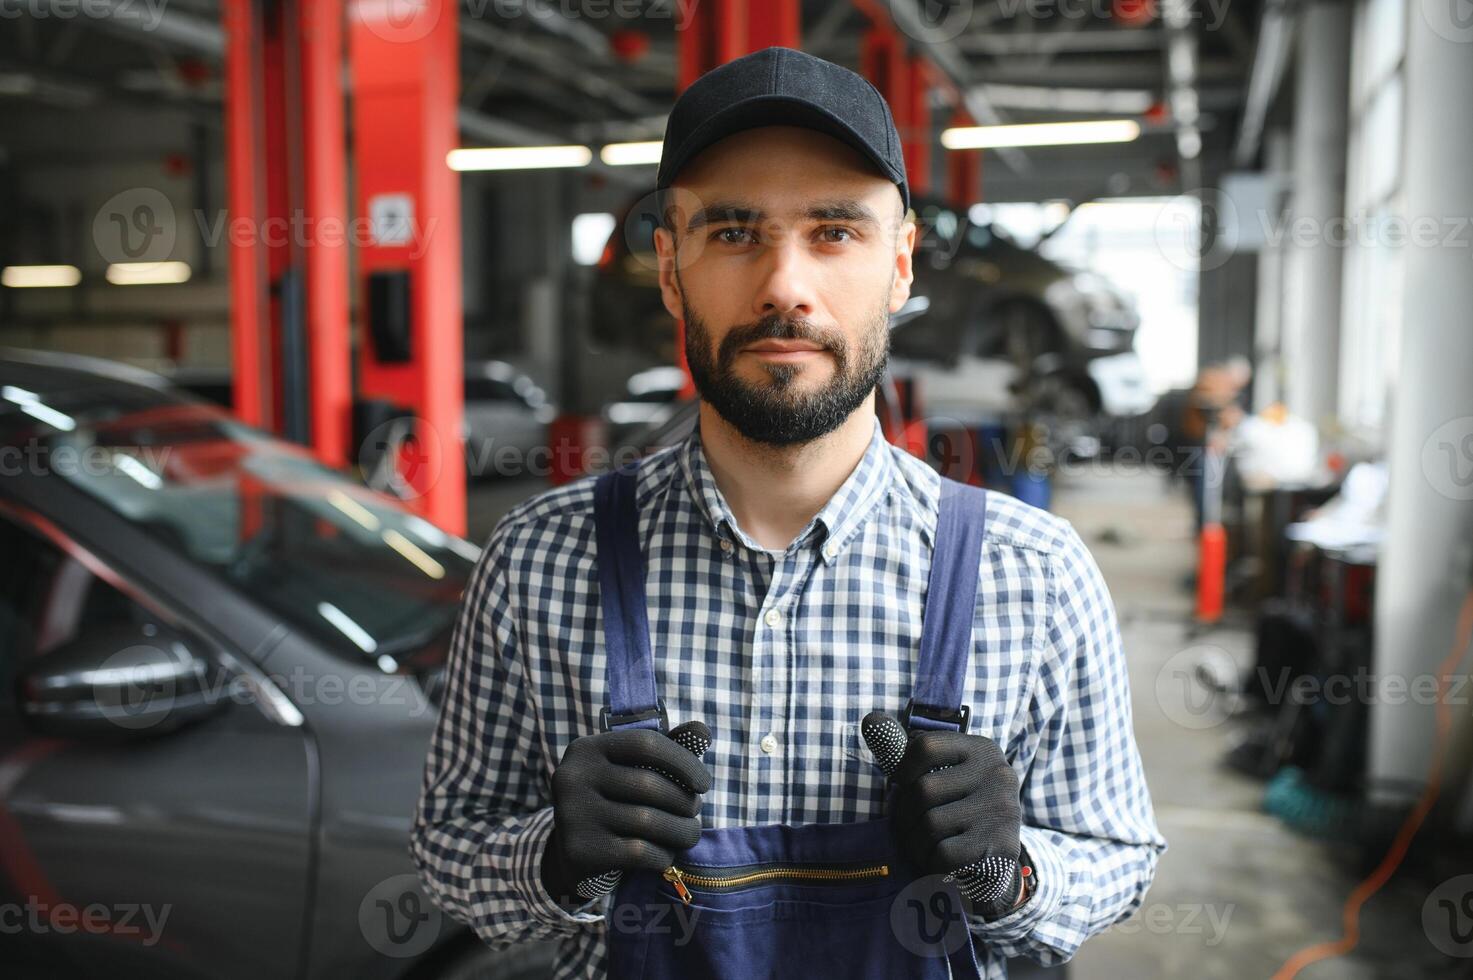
{"type": "Point", "coordinates": [828, 233]}
{"type": "Point", "coordinates": [732, 235]}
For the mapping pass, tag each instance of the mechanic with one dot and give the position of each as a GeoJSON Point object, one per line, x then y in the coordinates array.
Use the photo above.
{"type": "Point", "coordinates": [786, 549]}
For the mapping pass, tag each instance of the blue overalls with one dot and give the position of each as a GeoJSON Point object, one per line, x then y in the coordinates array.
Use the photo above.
{"type": "Point", "coordinates": [780, 900]}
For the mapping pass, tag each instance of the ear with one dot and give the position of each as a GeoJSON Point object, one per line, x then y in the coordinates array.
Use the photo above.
{"type": "Point", "coordinates": [669, 287]}
{"type": "Point", "coordinates": [904, 267]}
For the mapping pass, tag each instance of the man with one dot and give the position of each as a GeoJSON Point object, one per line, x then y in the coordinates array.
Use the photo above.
{"type": "Point", "coordinates": [787, 548]}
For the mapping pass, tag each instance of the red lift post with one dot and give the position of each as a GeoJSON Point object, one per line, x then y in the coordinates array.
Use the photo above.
{"type": "Point", "coordinates": [289, 228]}
{"type": "Point", "coordinates": [286, 179]}
{"type": "Point", "coordinates": [405, 72]}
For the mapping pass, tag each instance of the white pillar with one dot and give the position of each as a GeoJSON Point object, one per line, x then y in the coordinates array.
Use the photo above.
{"type": "Point", "coordinates": [1312, 321]}
{"type": "Point", "coordinates": [1427, 564]}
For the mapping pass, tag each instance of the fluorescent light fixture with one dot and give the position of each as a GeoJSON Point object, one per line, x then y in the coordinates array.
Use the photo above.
{"type": "Point", "coordinates": [518, 157]}
{"type": "Point", "coordinates": [1045, 98]}
{"type": "Point", "coordinates": [147, 273]}
{"type": "Point", "coordinates": [631, 154]}
{"type": "Point", "coordinates": [1040, 134]}
{"type": "Point", "coordinates": [38, 276]}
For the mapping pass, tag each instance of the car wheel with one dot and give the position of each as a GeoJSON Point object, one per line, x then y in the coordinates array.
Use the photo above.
{"type": "Point", "coordinates": [529, 962]}
{"type": "Point", "coordinates": [1028, 332]}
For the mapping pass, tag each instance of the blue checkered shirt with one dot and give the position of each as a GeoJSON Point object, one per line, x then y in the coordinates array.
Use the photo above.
{"type": "Point", "coordinates": [797, 644]}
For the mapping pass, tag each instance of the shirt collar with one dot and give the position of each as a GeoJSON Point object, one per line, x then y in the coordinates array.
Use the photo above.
{"type": "Point", "coordinates": [835, 523]}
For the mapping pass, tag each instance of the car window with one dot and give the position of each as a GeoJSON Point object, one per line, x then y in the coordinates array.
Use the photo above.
{"type": "Point", "coordinates": [333, 559]}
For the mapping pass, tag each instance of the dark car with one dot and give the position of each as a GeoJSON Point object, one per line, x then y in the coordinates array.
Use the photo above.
{"type": "Point", "coordinates": [220, 664]}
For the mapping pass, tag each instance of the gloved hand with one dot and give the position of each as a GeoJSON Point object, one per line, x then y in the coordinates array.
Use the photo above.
{"type": "Point", "coordinates": [964, 817]}
{"type": "Point", "coordinates": [609, 813]}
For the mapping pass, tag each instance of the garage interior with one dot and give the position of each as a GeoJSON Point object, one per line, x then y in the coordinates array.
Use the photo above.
{"type": "Point", "coordinates": [1193, 275]}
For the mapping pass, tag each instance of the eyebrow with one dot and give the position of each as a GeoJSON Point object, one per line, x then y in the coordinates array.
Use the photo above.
{"type": "Point", "coordinates": [723, 212]}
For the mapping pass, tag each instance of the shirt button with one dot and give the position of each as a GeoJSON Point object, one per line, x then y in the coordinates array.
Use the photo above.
{"type": "Point", "coordinates": [830, 550]}
{"type": "Point", "coordinates": [769, 744]}
{"type": "Point", "coordinates": [774, 617]}
{"type": "Point", "coordinates": [725, 546]}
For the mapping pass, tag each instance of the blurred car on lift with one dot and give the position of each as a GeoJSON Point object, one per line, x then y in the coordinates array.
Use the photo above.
{"type": "Point", "coordinates": [220, 668]}
{"type": "Point", "coordinates": [1006, 328]}
{"type": "Point", "coordinates": [506, 418]}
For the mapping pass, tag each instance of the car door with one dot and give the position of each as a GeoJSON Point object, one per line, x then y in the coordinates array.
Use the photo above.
{"type": "Point", "coordinates": [166, 847]}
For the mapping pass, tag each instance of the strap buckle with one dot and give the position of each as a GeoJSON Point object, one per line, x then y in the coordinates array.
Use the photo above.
{"type": "Point", "coordinates": [606, 720]}
{"type": "Point", "coordinates": [957, 716]}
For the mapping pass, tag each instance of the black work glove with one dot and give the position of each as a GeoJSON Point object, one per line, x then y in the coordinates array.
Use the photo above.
{"type": "Point", "coordinates": [965, 816]}
{"type": "Point", "coordinates": [609, 814]}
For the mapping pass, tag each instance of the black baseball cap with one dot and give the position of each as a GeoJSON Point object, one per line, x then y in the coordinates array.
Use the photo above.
{"type": "Point", "coordinates": [782, 87]}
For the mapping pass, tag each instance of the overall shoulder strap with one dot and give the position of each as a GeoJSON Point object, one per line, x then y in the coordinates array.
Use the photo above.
{"type": "Point", "coordinates": [951, 602]}
{"type": "Point", "coordinates": [633, 701]}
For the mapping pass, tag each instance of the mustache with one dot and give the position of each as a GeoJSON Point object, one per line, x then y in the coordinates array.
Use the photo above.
{"type": "Point", "coordinates": [779, 328]}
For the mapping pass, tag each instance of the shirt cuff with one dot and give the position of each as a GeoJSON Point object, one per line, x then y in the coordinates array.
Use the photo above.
{"type": "Point", "coordinates": [1049, 874]}
{"type": "Point", "coordinates": [527, 876]}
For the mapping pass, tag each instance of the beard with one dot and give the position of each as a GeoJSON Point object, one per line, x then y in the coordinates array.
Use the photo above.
{"type": "Point", "coordinates": [776, 410]}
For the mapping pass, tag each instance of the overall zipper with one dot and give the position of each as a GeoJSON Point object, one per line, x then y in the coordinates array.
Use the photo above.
{"type": "Point", "coordinates": [678, 876]}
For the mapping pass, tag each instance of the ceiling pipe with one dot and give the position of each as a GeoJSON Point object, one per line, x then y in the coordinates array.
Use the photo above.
{"type": "Point", "coordinates": [1270, 58]}
{"type": "Point", "coordinates": [943, 53]}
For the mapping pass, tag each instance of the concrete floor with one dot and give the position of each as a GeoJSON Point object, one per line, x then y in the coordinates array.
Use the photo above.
{"type": "Point", "coordinates": [1237, 893]}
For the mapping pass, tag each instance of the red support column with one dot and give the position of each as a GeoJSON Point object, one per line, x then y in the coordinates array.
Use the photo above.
{"type": "Point", "coordinates": [774, 23]}
{"type": "Point", "coordinates": [325, 198]}
{"type": "Point", "coordinates": [405, 72]}
{"type": "Point", "coordinates": [245, 196]}
{"type": "Point", "coordinates": [286, 190]}
{"type": "Point", "coordinates": [882, 60]}
{"type": "Point", "coordinates": [915, 135]}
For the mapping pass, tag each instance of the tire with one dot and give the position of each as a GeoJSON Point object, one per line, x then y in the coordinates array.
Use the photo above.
{"type": "Point", "coordinates": [1027, 333]}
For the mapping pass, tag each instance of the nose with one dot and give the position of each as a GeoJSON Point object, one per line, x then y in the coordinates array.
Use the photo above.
{"type": "Point", "coordinates": [787, 287]}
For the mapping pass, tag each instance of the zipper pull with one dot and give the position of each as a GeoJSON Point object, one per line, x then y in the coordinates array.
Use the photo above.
{"type": "Point", "coordinates": [672, 874]}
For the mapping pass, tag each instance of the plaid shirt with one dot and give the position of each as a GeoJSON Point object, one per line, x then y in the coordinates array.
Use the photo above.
{"type": "Point", "coordinates": [782, 653]}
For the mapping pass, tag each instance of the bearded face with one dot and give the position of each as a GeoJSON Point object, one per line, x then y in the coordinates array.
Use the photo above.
{"type": "Point", "coordinates": [799, 387]}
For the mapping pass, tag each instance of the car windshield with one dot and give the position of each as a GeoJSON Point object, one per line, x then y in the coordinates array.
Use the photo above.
{"type": "Point", "coordinates": [334, 559]}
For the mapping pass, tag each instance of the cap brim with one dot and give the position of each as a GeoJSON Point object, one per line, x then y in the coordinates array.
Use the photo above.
{"type": "Point", "coordinates": [773, 110]}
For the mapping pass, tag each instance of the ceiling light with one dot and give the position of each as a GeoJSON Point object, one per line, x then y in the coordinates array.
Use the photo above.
{"type": "Point", "coordinates": [1040, 134]}
{"type": "Point", "coordinates": [35, 276]}
{"type": "Point", "coordinates": [631, 154]}
{"type": "Point", "coordinates": [147, 273]}
{"type": "Point", "coordinates": [518, 157]}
